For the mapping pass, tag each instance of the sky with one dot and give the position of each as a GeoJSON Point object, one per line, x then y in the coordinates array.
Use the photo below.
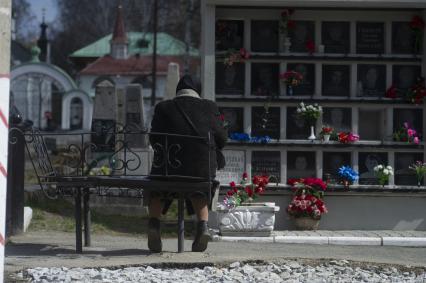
{"type": "Point", "coordinates": [50, 6]}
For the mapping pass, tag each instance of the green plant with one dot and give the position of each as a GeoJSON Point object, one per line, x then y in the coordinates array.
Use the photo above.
{"type": "Point", "coordinates": [383, 173]}
{"type": "Point", "coordinates": [420, 169]}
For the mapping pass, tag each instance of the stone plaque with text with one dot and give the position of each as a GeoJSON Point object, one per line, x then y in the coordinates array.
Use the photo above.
{"type": "Point", "coordinates": [296, 128]}
{"type": "Point", "coordinates": [370, 38]}
{"type": "Point", "coordinates": [235, 166]}
{"type": "Point", "coordinates": [405, 76]}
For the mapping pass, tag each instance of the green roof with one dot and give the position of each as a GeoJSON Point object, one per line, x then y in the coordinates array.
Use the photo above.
{"type": "Point", "coordinates": [167, 45]}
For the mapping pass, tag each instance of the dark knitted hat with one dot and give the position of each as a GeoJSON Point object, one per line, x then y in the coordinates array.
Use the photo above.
{"type": "Point", "coordinates": [188, 82]}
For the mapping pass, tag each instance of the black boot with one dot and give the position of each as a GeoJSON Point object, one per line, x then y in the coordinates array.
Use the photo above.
{"type": "Point", "coordinates": [202, 237]}
{"type": "Point", "coordinates": [154, 236]}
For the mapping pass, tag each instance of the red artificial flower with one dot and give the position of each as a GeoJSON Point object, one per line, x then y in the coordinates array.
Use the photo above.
{"type": "Point", "coordinates": [229, 193]}
{"type": "Point", "coordinates": [222, 117]}
{"type": "Point", "coordinates": [291, 24]}
{"type": "Point", "coordinates": [293, 181]}
{"type": "Point", "coordinates": [249, 191]}
{"type": "Point", "coordinates": [310, 46]}
{"type": "Point", "coordinates": [232, 184]}
{"type": "Point", "coordinates": [245, 175]}
{"type": "Point", "coordinates": [244, 53]}
{"type": "Point", "coordinates": [391, 92]}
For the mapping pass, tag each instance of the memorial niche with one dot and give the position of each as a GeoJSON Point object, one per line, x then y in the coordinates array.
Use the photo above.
{"type": "Point", "coordinates": [403, 38]}
{"type": "Point", "coordinates": [264, 79]}
{"type": "Point", "coordinates": [264, 36]}
{"type": "Point", "coordinates": [370, 124]}
{"type": "Point", "coordinates": [296, 128]}
{"type": "Point", "coordinates": [265, 122]}
{"type": "Point", "coordinates": [332, 161]}
{"type": "Point", "coordinates": [367, 162]}
{"type": "Point", "coordinates": [371, 80]}
{"type": "Point", "coordinates": [370, 38]}
{"type": "Point", "coordinates": [301, 34]}
{"type": "Point", "coordinates": [266, 163]}
{"type": "Point", "coordinates": [338, 118]}
{"type": "Point", "coordinates": [335, 80]}
{"type": "Point", "coordinates": [307, 86]}
{"type": "Point", "coordinates": [300, 164]}
{"type": "Point", "coordinates": [335, 37]}
{"type": "Point", "coordinates": [414, 118]}
{"type": "Point", "coordinates": [234, 168]}
{"type": "Point", "coordinates": [229, 34]}
{"type": "Point", "coordinates": [230, 79]}
{"type": "Point", "coordinates": [404, 77]}
{"type": "Point", "coordinates": [234, 117]}
{"type": "Point", "coordinates": [404, 175]}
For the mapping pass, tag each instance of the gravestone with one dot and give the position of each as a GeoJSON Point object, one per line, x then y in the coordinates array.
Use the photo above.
{"type": "Point", "coordinates": [230, 79]}
{"type": "Point", "coordinates": [332, 161]}
{"type": "Point", "coordinates": [171, 80]}
{"type": "Point", "coordinates": [405, 76]}
{"type": "Point", "coordinates": [229, 34]}
{"type": "Point", "coordinates": [307, 86]}
{"type": "Point", "coordinates": [264, 36]}
{"type": "Point", "coordinates": [234, 116]}
{"type": "Point", "coordinates": [335, 80]}
{"type": "Point", "coordinates": [414, 118]}
{"type": "Point", "coordinates": [104, 117]}
{"type": "Point", "coordinates": [266, 162]}
{"type": "Point", "coordinates": [234, 168]}
{"type": "Point", "coordinates": [301, 34]}
{"type": "Point", "coordinates": [404, 175]}
{"type": "Point", "coordinates": [339, 118]}
{"type": "Point", "coordinates": [301, 164]}
{"type": "Point", "coordinates": [371, 80]}
{"type": "Point", "coordinates": [366, 163]}
{"type": "Point", "coordinates": [335, 37]}
{"type": "Point", "coordinates": [265, 122]}
{"type": "Point", "coordinates": [370, 38]}
{"type": "Point", "coordinates": [296, 127]}
{"type": "Point", "coordinates": [403, 38]}
{"type": "Point", "coordinates": [134, 115]}
{"type": "Point", "coordinates": [265, 79]}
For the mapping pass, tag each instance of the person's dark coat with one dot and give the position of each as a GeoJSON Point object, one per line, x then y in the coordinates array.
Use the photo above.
{"type": "Point", "coordinates": [193, 155]}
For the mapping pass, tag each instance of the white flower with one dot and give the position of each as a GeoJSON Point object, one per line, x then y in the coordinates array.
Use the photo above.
{"type": "Point", "coordinates": [389, 167]}
{"type": "Point", "coordinates": [386, 171]}
{"type": "Point", "coordinates": [302, 104]}
{"type": "Point", "coordinates": [303, 109]}
{"type": "Point", "coordinates": [380, 167]}
{"type": "Point", "coordinates": [390, 172]}
{"type": "Point", "coordinates": [299, 110]}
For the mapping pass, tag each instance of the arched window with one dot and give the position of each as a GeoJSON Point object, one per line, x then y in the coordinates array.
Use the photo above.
{"type": "Point", "coordinates": [76, 114]}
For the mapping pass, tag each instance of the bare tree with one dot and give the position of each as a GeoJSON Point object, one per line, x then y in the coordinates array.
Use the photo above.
{"type": "Point", "coordinates": [24, 21]}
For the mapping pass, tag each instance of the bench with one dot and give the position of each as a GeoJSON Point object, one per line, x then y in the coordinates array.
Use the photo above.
{"type": "Point", "coordinates": [115, 148]}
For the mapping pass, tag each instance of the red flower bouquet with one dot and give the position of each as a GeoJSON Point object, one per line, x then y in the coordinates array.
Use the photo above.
{"type": "Point", "coordinates": [347, 137]}
{"type": "Point", "coordinates": [291, 78]}
{"type": "Point", "coordinates": [245, 191]}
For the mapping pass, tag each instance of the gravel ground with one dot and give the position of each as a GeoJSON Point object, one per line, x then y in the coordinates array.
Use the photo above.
{"type": "Point", "coordinates": [283, 271]}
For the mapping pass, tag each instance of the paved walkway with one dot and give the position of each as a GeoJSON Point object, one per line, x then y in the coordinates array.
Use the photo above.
{"type": "Point", "coordinates": [323, 237]}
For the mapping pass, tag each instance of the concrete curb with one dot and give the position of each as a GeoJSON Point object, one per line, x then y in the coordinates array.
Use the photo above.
{"type": "Point", "coordinates": [332, 240]}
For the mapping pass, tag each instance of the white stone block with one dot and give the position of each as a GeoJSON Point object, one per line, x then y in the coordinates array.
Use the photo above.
{"type": "Point", "coordinates": [404, 241]}
{"type": "Point", "coordinates": [314, 240]}
{"type": "Point", "coordinates": [355, 241]}
{"type": "Point", "coordinates": [247, 239]}
{"type": "Point", "coordinates": [28, 215]}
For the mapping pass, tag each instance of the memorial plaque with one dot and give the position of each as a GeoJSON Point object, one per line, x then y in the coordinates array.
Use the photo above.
{"type": "Point", "coordinates": [301, 34]}
{"type": "Point", "coordinates": [336, 37]}
{"type": "Point", "coordinates": [370, 38]}
{"type": "Point", "coordinates": [367, 162]}
{"type": "Point", "coordinates": [264, 79]}
{"type": "Point", "coordinates": [264, 36]}
{"type": "Point", "coordinates": [135, 121]}
{"type": "Point", "coordinates": [307, 87]}
{"type": "Point", "coordinates": [230, 79]}
{"type": "Point", "coordinates": [371, 80]}
{"type": "Point", "coordinates": [405, 76]}
{"type": "Point", "coordinates": [229, 34]}
{"type": "Point", "coordinates": [103, 135]}
{"type": "Point", "coordinates": [235, 166]}
{"type": "Point", "coordinates": [332, 161]}
{"type": "Point", "coordinates": [234, 116]}
{"type": "Point", "coordinates": [370, 124]}
{"type": "Point", "coordinates": [335, 80]}
{"type": "Point", "coordinates": [404, 175]}
{"type": "Point", "coordinates": [76, 113]}
{"type": "Point", "coordinates": [338, 118]}
{"type": "Point", "coordinates": [296, 128]}
{"type": "Point", "coordinates": [300, 164]}
{"type": "Point", "coordinates": [266, 163]}
{"type": "Point", "coordinates": [414, 118]}
{"type": "Point", "coordinates": [265, 122]}
{"type": "Point", "coordinates": [403, 38]}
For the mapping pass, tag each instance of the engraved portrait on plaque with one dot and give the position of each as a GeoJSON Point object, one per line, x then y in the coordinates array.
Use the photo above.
{"type": "Point", "coordinates": [230, 79]}
{"type": "Point", "coordinates": [300, 164]}
{"type": "Point", "coordinates": [367, 162]}
{"type": "Point", "coordinates": [229, 34]}
{"type": "Point", "coordinates": [335, 80]}
{"type": "Point", "coordinates": [371, 80]}
{"type": "Point", "coordinates": [335, 37]}
{"type": "Point", "coordinates": [405, 76]}
{"type": "Point", "coordinates": [302, 32]}
{"type": "Point", "coordinates": [234, 116]}
{"type": "Point", "coordinates": [264, 80]}
{"type": "Point", "coordinates": [332, 161]}
{"type": "Point", "coordinates": [296, 128]}
{"type": "Point", "coordinates": [338, 118]}
{"type": "Point", "coordinates": [403, 38]}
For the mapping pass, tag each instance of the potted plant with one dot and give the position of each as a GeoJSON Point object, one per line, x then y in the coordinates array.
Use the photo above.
{"type": "Point", "coordinates": [383, 173]}
{"type": "Point", "coordinates": [238, 214]}
{"type": "Point", "coordinates": [307, 205]}
{"type": "Point", "coordinates": [326, 133]}
{"type": "Point", "coordinates": [420, 169]}
{"type": "Point", "coordinates": [347, 175]}
{"type": "Point", "coordinates": [291, 79]}
{"type": "Point", "coordinates": [310, 113]}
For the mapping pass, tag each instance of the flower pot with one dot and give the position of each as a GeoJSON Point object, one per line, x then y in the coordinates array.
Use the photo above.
{"type": "Point", "coordinates": [306, 223]}
{"type": "Point", "coordinates": [255, 219]}
{"type": "Point", "coordinates": [326, 138]}
{"type": "Point", "coordinates": [312, 136]}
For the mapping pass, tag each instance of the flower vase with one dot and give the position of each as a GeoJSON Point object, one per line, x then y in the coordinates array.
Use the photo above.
{"type": "Point", "coordinates": [312, 136]}
{"type": "Point", "coordinates": [326, 138]}
{"type": "Point", "coordinates": [287, 44]}
{"type": "Point", "coordinates": [306, 223]}
{"type": "Point", "coordinates": [289, 90]}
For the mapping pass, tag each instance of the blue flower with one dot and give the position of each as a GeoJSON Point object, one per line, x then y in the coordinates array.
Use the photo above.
{"type": "Point", "coordinates": [239, 137]}
{"type": "Point", "coordinates": [347, 173]}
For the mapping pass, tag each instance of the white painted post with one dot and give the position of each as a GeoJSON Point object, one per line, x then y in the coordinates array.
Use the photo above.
{"type": "Point", "coordinates": [172, 80]}
{"type": "Point", "coordinates": [208, 50]}
{"type": "Point", "coordinates": [5, 18]}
